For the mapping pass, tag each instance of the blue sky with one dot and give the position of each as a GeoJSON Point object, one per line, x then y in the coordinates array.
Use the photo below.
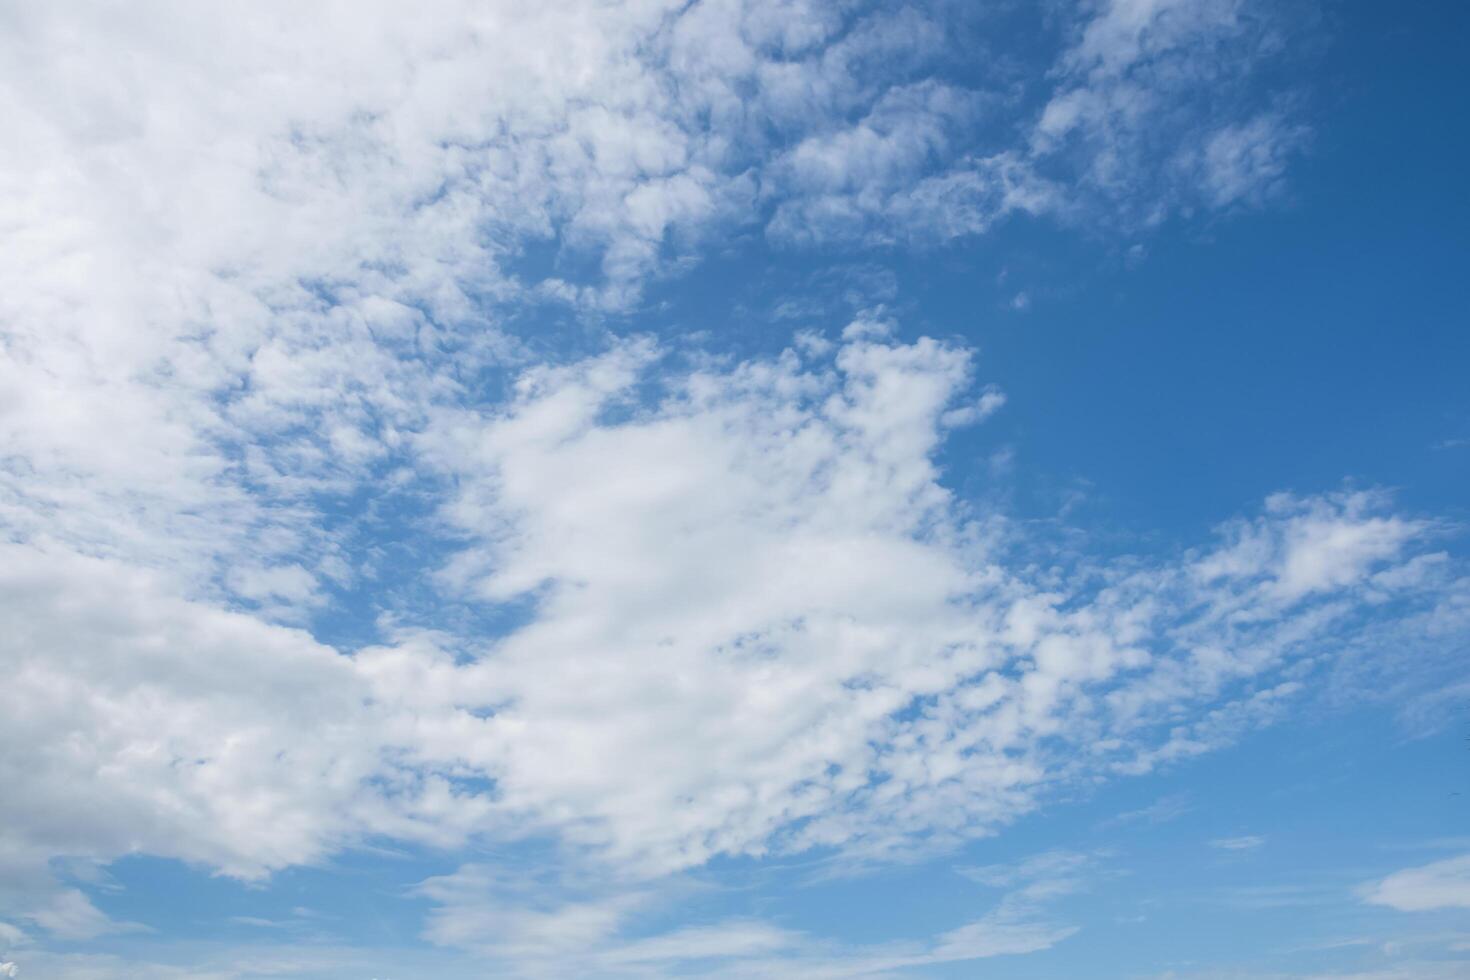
{"type": "Point", "coordinates": [742, 488]}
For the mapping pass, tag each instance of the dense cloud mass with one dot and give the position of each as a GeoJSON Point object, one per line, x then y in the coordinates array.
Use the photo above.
{"type": "Point", "coordinates": [261, 260]}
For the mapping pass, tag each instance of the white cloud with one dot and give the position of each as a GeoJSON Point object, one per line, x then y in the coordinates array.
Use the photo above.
{"type": "Point", "coordinates": [760, 623]}
{"type": "Point", "coordinates": [1160, 811]}
{"type": "Point", "coordinates": [1307, 547]}
{"type": "Point", "coordinates": [1153, 108]}
{"type": "Point", "coordinates": [1248, 842]}
{"type": "Point", "coordinates": [729, 940]}
{"type": "Point", "coordinates": [1440, 885]}
{"type": "Point", "coordinates": [992, 400]}
{"type": "Point", "coordinates": [1145, 74]}
{"type": "Point", "coordinates": [247, 260]}
{"type": "Point", "coordinates": [539, 923]}
{"type": "Point", "coordinates": [249, 263]}
{"type": "Point", "coordinates": [518, 918]}
{"type": "Point", "coordinates": [1055, 872]}
{"type": "Point", "coordinates": [766, 563]}
{"type": "Point", "coordinates": [1244, 161]}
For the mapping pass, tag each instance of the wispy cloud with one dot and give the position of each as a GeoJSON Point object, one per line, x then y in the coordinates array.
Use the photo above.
{"type": "Point", "coordinates": [1162, 810]}
{"type": "Point", "coordinates": [586, 927]}
{"type": "Point", "coordinates": [1249, 842]}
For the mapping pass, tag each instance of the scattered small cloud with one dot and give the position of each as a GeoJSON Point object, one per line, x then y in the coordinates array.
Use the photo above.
{"type": "Point", "coordinates": [1281, 896]}
{"type": "Point", "coordinates": [1162, 810]}
{"type": "Point", "coordinates": [1247, 843]}
{"type": "Point", "coordinates": [991, 400]}
{"type": "Point", "coordinates": [251, 920]}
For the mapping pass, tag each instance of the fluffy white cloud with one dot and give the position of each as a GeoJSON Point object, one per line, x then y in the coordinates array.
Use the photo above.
{"type": "Point", "coordinates": [134, 721]}
{"type": "Point", "coordinates": [1440, 885]}
{"type": "Point", "coordinates": [246, 257]}
{"type": "Point", "coordinates": [247, 263]}
{"type": "Point", "coordinates": [764, 561]}
{"type": "Point", "coordinates": [759, 622]}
